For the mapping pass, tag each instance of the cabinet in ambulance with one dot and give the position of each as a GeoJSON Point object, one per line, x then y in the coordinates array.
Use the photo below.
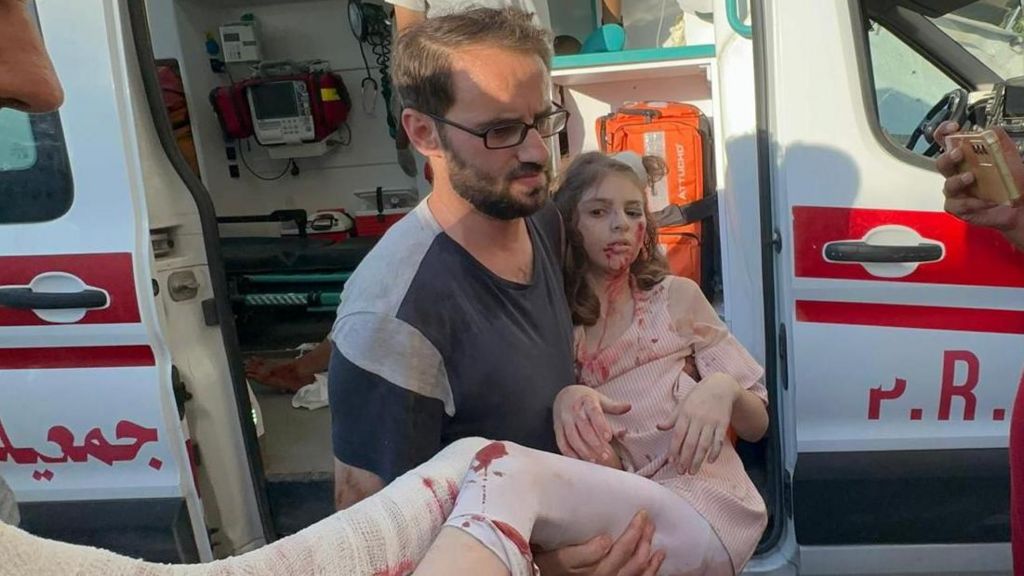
{"type": "Point", "coordinates": [890, 331]}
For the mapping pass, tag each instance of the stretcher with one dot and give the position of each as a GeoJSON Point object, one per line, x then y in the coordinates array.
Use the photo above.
{"type": "Point", "coordinates": [301, 271]}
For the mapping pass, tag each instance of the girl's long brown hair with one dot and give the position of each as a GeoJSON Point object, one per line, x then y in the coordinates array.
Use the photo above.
{"type": "Point", "coordinates": [650, 267]}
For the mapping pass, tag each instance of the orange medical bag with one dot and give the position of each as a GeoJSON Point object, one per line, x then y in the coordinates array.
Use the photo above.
{"type": "Point", "coordinates": [684, 201]}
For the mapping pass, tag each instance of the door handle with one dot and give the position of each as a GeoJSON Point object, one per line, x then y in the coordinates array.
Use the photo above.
{"type": "Point", "coordinates": [27, 299]}
{"type": "Point", "coordinates": [732, 12]}
{"type": "Point", "coordinates": [873, 253]}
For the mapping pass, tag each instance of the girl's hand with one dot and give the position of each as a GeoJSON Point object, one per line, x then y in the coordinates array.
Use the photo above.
{"type": "Point", "coordinates": [581, 429]}
{"type": "Point", "coordinates": [700, 423]}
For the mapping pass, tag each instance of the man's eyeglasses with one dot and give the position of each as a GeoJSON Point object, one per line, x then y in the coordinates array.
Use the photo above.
{"type": "Point", "coordinates": [510, 134]}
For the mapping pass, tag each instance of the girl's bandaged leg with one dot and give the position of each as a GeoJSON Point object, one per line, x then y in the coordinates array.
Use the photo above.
{"type": "Point", "coordinates": [513, 495]}
{"type": "Point", "coordinates": [386, 534]}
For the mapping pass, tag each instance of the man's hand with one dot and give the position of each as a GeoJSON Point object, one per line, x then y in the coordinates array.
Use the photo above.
{"type": "Point", "coordinates": [581, 430]}
{"type": "Point", "coordinates": [961, 203]}
{"type": "Point", "coordinates": [701, 422]}
{"type": "Point", "coordinates": [630, 555]}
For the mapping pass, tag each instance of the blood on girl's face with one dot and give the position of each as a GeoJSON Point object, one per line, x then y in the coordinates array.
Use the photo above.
{"type": "Point", "coordinates": [612, 222]}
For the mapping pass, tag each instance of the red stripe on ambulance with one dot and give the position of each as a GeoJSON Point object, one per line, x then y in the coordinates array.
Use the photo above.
{"type": "Point", "coordinates": [112, 272]}
{"type": "Point", "coordinates": [974, 256]}
{"type": "Point", "coordinates": [76, 357]}
{"type": "Point", "coordinates": [908, 316]}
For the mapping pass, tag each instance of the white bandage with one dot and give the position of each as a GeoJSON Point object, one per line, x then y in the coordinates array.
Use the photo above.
{"type": "Point", "coordinates": [388, 533]}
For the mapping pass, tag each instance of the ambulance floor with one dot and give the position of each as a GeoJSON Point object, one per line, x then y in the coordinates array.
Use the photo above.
{"type": "Point", "coordinates": [297, 461]}
{"type": "Point", "coordinates": [296, 443]}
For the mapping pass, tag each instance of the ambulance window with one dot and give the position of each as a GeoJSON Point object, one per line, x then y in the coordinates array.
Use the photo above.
{"type": "Point", "coordinates": [35, 179]}
{"type": "Point", "coordinates": [906, 85]}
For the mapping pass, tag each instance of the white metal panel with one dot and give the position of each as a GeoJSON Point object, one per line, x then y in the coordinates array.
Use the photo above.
{"type": "Point", "coordinates": [826, 155]}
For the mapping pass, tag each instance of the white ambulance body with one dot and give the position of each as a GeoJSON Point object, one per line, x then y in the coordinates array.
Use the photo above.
{"type": "Point", "coordinates": [891, 332]}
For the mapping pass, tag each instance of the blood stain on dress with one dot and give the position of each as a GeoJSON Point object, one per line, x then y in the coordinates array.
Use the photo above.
{"type": "Point", "coordinates": [512, 534]}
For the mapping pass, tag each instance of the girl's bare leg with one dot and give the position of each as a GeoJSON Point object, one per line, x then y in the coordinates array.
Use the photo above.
{"type": "Point", "coordinates": [513, 496]}
{"type": "Point", "coordinates": [456, 552]}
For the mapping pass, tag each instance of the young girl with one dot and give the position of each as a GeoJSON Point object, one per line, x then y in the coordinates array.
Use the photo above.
{"type": "Point", "coordinates": [664, 447]}
{"type": "Point", "coordinates": [636, 327]}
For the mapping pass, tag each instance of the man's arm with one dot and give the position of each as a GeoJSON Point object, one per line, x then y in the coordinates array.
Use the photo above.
{"type": "Point", "coordinates": [352, 484]}
{"type": "Point", "coordinates": [387, 407]}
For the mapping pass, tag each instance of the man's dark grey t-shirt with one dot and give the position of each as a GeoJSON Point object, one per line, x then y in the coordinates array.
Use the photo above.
{"type": "Point", "coordinates": [431, 346]}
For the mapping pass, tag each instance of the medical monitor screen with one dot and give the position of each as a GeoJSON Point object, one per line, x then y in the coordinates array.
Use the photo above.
{"type": "Point", "coordinates": [274, 100]}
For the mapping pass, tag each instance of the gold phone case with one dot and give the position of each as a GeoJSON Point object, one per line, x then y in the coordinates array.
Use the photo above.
{"type": "Point", "coordinates": [984, 156]}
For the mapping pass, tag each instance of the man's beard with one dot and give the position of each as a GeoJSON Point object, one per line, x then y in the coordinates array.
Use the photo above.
{"type": "Point", "coordinates": [492, 195]}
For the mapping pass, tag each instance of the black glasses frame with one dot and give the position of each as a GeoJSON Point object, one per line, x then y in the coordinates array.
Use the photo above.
{"type": "Point", "coordinates": [525, 128]}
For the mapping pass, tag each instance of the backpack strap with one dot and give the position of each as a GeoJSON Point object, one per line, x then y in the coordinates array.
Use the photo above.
{"type": "Point", "coordinates": [681, 214]}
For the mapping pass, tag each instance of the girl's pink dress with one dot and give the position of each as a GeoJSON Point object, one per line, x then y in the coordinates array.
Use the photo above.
{"type": "Point", "coordinates": [645, 368]}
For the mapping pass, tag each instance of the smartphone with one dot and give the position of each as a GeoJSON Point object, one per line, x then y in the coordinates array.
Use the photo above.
{"type": "Point", "coordinates": [985, 157]}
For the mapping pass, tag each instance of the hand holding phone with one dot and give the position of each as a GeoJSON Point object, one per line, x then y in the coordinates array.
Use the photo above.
{"type": "Point", "coordinates": [992, 158]}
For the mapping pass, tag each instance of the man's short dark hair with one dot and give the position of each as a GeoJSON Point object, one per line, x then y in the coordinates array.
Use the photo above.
{"type": "Point", "coordinates": [422, 71]}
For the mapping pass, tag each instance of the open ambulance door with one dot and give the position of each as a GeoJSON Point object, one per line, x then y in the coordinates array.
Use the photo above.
{"type": "Point", "coordinates": [899, 326]}
{"type": "Point", "coordinates": [92, 437]}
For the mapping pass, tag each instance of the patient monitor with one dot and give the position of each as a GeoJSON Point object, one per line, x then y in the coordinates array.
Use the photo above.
{"type": "Point", "coordinates": [281, 112]}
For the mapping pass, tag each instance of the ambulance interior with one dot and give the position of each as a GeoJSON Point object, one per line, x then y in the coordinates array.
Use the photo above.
{"type": "Point", "coordinates": [283, 224]}
{"type": "Point", "coordinates": [294, 220]}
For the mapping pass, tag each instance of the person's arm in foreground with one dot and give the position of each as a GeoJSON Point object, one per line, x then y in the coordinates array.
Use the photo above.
{"type": "Point", "coordinates": [1009, 220]}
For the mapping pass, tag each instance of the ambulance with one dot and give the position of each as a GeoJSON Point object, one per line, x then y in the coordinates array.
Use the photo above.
{"type": "Point", "coordinates": [145, 254]}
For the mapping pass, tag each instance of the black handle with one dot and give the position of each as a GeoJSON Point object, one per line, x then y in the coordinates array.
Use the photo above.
{"type": "Point", "coordinates": [299, 216]}
{"type": "Point", "coordinates": [323, 223]}
{"type": "Point", "coordinates": [26, 299]}
{"type": "Point", "coordinates": [863, 252]}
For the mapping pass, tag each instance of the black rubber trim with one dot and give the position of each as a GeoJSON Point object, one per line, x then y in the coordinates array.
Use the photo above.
{"type": "Point", "coordinates": [139, 25]}
{"type": "Point", "coordinates": [154, 529]}
{"type": "Point", "coordinates": [902, 497]}
{"type": "Point", "coordinates": [773, 487]}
